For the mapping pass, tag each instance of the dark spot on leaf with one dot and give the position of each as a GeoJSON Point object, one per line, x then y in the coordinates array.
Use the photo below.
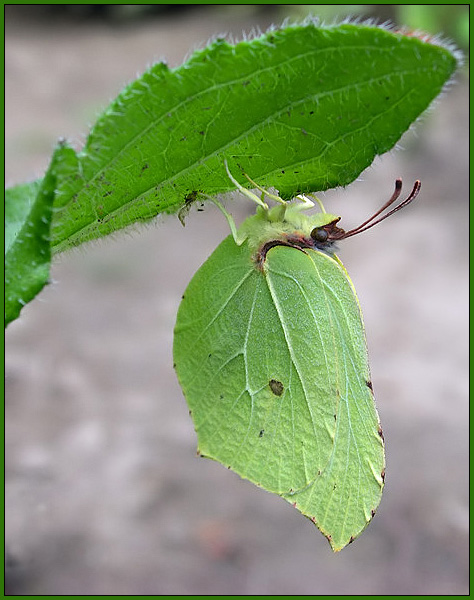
{"type": "Point", "coordinates": [201, 133]}
{"type": "Point", "coordinates": [334, 486]}
{"type": "Point", "coordinates": [183, 138]}
{"type": "Point", "coordinates": [304, 132]}
{"type": "Point", "coordinates": [191, 197]}
{"type": "Point", "coordinates": [144, 168]}
{"type": "Point", "coordinates": [319, 472]}
{"type": "Point", "coordinates": [174, 365]}
{"type": "Point", "coordinates": [283, 172]}
{"type": "Point", "coordinates": [311, 112]}
{"type": "Point", "coordinates": [106, 194]}
{"type": "Point", "coordinates": [221, 397]}
{"type": "Point", "coordinates": [276, 387]}
{"type": "Point", "coordinates": [369, 385]}
{"type": "Point", "coordinates": [380, 432]}
{"type": "Point", "coordinates": [209, 355]}
{"type": "Point", "coordinates": [335, 417]}
{"type": "Point", "coordinates": [262, 431]}
{"type": "Point", "coordinates": [351, 539]}
{"type": "Point", "coordinates": [245, 83]}
{"type": "Point", "coordinates": [182, 297]}
{"type": "Point", "coordinates": [382, 475]}
{"type": "Point", "coordinates": [387, 97]}
{"type": "Point", "coordinates": [372, 513]}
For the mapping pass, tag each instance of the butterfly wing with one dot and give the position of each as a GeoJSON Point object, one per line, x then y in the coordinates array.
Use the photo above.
{"type": "Point", "coordinates": [274, 368]}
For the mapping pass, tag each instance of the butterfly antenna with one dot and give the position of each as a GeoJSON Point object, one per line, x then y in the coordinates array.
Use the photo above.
{"type": "Point", "coordinates": [370, 222]}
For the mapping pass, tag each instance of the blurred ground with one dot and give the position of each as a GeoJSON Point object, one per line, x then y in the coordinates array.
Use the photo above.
{"type": "Point", "coordinates": [104, 493]}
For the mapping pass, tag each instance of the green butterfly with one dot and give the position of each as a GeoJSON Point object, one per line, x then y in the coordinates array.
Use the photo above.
{"type": "Point", "coordinates": [270, 352]}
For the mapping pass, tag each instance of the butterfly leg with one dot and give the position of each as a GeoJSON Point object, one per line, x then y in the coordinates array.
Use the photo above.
{"type": "Point", "coordinates": [244, 191]}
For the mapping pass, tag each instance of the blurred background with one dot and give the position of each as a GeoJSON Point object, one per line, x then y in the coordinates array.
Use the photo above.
{"type": "Point", "coordinates": [104, 492]}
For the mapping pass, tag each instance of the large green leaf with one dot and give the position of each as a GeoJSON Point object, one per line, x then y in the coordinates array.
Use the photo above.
{"type": "Point", "coordinates": [304, 108]}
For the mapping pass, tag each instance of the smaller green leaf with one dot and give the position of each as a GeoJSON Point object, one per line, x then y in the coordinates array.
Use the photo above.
{"type": "Point", "coordinates": [28, 214]}
{"type": "Point", "coordinates": [18, 202]}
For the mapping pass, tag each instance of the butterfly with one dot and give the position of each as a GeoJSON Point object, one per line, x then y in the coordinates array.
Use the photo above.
{"type": "Point", "coordinates": [270, 352]}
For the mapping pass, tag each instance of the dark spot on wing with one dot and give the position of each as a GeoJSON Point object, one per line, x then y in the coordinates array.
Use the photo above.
{"type": "Point", "coordinates": [276, 387]}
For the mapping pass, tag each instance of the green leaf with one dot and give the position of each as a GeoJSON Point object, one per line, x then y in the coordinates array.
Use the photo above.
{"type": "Point", "coordinates": [270, 352]}
{"type": "Point", "coordinates": [303, 108]}
{"type": "Point", "coordinates": [28, 214]}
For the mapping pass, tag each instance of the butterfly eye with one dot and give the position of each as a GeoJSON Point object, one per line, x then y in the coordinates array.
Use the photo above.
{"type": "Point", "coordinates": [319, 234]}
